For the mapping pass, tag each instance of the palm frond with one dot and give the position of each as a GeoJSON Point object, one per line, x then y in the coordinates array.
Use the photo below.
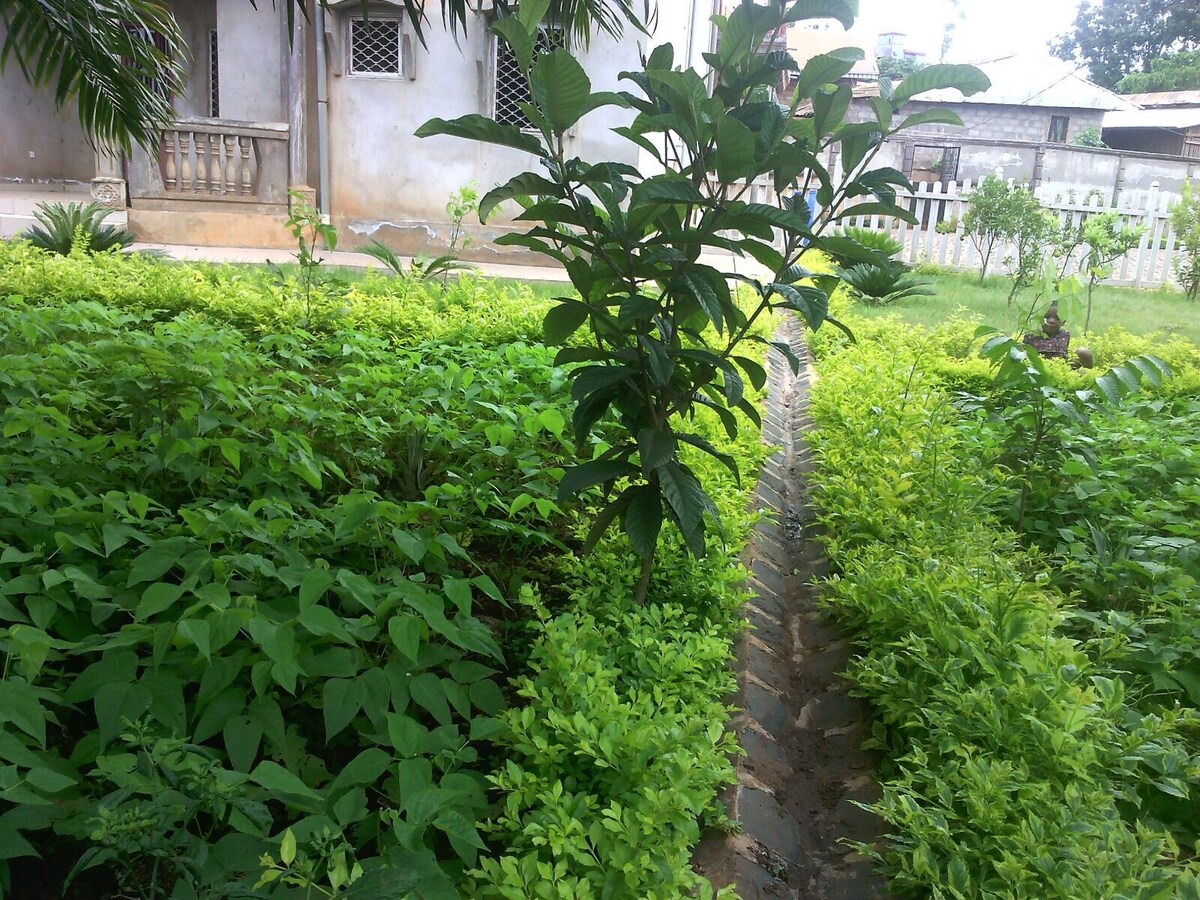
{"type": "Point", "coordinates": [95, 52]}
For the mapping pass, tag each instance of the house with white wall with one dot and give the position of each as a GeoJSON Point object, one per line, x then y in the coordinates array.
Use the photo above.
{"type": "Point", "coordinates": [329, 108]}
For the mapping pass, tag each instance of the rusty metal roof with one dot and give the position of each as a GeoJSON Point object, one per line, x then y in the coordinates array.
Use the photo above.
{"type": "Point", "coordinates": [1164, 98]}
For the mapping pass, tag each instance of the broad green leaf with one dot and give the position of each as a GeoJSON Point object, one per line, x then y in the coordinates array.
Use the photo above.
{"type": "Point", "coordinates": [341, 700]}
{"type": "Point", "coordinates": [597, 471]}
{"type": "Point", "coordinates": [513, 31]}
{"type": "Point", "coordinates": [826, 68]}
{"type": "Point", "coordinates": [931, 117]}
{"type": "Point", "coordinates": [844, 11]}
{"type": "Point", "coordinates": [735, 150]}
{"type": "Point", "coordinates": [563, 321]}
{"type": "Point", "coordinates": [315, 583]}
{"type": "Point", "coordinates": [560, 88]}
{"type": "Point", "coordinates": [157, 598]}
{"type": "Point", "coordinates": [365, 768]}
{"type": "Point", "coordinates": [427, 692]}
{"type": "Point", "coordinates": [643, 520]}
{"type": "Point", "coordinates": [406, 632]}
{"type": "Point", "coordinates": [242, 736]}
{"type": "Point", "coordinates": [277, 779]}
{"type": "Point", "coordinates": [487, 131]}
{"type": "Point", "coordinates": [968, 80]}
{"type": "Point", "coordinates": [656, 447]}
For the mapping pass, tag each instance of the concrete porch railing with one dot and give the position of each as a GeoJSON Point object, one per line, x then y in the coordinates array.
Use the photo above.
{"type": "Point", "coordinates": [212, 182]}
{"type": "Point", "coordinates": [215, 160]}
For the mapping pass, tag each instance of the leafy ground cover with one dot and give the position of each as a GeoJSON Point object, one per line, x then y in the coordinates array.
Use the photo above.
{"type": "Point", "coordinates": [1035, 688]}
{"type": "Point", "coordinates": [1137, 311]}
{"type": "Point", "coordinates": [287, 603]}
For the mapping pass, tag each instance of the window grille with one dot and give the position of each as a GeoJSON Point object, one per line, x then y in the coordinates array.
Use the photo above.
{"type": "Point", "coordinates": [152, 81]}
{"type": "Point", "coordinates": [511, 86]}
{"type": "Point", "coordinates": [214, 77]}
{"type": "Point", "coordinates": [375, 47]}
{"type": "Point", "coordinates": [1058, 129]}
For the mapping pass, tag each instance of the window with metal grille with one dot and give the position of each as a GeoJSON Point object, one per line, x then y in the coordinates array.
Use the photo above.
{"type": "Point", "coordinates": [511, 86]}
{"type": "Point", "coordinates": [214, 77]}
{"type": "Point", "coordinates": [156, 84]}
{"type": "Point", "coordinates": [1058, 129]}
{"type": "Point", "coordinates": [375, 46]}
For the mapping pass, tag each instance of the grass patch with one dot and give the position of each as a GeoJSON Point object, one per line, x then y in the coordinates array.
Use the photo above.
{"type": "Point", "coordinates": [1138, 311]}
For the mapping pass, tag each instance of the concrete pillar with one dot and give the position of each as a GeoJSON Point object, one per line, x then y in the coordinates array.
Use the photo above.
{"type": "Point", "coordinates": [296, 87]}
{"type": "Point", "coordinates": [108, 184]}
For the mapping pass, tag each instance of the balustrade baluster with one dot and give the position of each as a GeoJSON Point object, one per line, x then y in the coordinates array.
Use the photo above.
{"type": "Point", "coordinates": [244, 143]}
{"type": "Point", "coordinates": [201, 185]}
{"type": "Point", "coordinates": [169, 166]}
{"type": "Point", "coordinates": [185, 161]}
{"type": "Point", "coordinates": [230, 185]}
{"type": "Point", "coordinates": [215, 168]}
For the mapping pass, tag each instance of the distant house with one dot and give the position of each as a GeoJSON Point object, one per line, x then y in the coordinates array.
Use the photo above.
{"type": "Point", "coordinates": [1033, 102]}
{"type": "Point", "coordinates": [329, 110]}
{"type": "Point", "coordinates": [1166, 122]}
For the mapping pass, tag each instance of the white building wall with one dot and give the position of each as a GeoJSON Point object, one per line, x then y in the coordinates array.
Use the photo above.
{"type": "Point", "coordinates": [381, 174]}
{"type": "Point", "coordinates": [29, 124]}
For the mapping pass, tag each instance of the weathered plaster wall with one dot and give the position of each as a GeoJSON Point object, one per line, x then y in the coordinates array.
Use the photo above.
{"type": "Point", "coordinates": [196, 19]}
{"type": "Point", "coordinates": [252, 49]}
{"type": "Point", "coordinates": [381, 173]}
{"type": "Point", "coordinates": [29, 122]}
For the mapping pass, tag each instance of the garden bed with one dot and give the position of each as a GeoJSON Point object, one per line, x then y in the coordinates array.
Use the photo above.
{"type": "Point", "coordinates": [288, 603]}
{"type": "Point", "coordinates": [1035, 690]}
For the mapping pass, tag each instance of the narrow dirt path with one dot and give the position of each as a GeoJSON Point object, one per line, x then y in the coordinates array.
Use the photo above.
{"type": "Point", "coordinates": [804, 765]}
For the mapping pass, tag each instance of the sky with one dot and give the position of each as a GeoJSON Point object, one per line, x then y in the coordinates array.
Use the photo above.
{"type": "Point", "coordinates": [989, 29]}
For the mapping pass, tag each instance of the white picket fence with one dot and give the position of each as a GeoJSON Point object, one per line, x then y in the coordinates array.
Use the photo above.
{"type": "Point", "coordinates": [1150, 264]}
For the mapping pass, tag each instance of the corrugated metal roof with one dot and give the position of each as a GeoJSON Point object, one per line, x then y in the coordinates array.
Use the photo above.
{"type": "Point", "coordinates": [1164, 98]}
{"type": "Point", "coordinates": [1025, 81]}
{"type": "Point", "coordinates": [1034, 80]}
{"type": "Point", "coordinates": [1153, 118]}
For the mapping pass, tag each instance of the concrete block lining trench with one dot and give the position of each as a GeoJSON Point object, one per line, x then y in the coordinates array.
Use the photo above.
{"type": "Point", "coordinates": [803, 767]}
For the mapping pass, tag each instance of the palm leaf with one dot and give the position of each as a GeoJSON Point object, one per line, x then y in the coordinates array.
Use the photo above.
{"type": "Point", "coordinates": [94, 52]}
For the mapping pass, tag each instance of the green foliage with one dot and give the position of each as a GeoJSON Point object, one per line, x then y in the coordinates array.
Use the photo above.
{"type": "Point", "coordinates": [897, 67]}
{"type": "Point", "coordinates": [68, 226]}
{"type": "Point", "coordinates": [404, 310]}
{"type": "Point", "coordinates": [1117, 37]}
{"type": "Point", "coordinates": [1089, 137]}
{"type": "Point", "coordinates": [252, 590]}
{"type": "Point", "coordinates": [1107, 240]}
{"type": "Point", "coordinates": [1185, 219]}
{"type": "Point", "coordinates": [880, 242]}
{"type": "Point", "coordinates": [1173, 72]}
{"type": "Point", "coordinates": [879, 285]}
{"type": "Point", "coordinates": [661, 333]}
{"type": "Point", "coordinates": [462, 203]}
{"type": "Point", "coordinates": [308, 226]}
{"type": "Point", "coordinates": [422, 268]}
{"type": "Point", "coordinates": [1032, 408]}
{"type": "Point", "coordinates": [1023, 757]}
{"type": "Point", "coordinates": [239, 585]}
{"type": "Point", "coordinates": [988, 220]}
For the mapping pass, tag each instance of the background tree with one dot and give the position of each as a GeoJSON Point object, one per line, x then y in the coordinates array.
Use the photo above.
{"type": "Point", "coordinates": [897, 67]}
{"type": "Point", "coordinates": [1116, 37]}
{"type": "Point", "coordinates": [1176, 72]}
{"type": "Point", "coordinates": [94, 52]}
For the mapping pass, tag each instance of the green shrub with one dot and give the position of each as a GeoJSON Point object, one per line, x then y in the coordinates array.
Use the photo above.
{"type": "Point", "coordinates": [881, 242]}
{"type": "Point", "coordinates": [1018, 762]}
{"type": "Point", "coordinates": [239, 590]}
{"type": "Point", "coordinates": [402, 309]}
{"type": "Point", "coordinates": [65, 226]}
{"type": "Point", "coordinates": [883, 284]}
